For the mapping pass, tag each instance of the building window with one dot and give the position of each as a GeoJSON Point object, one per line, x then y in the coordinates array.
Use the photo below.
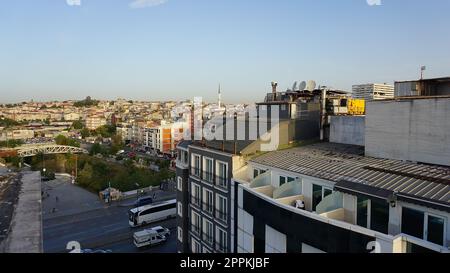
{"type": "Point", "coordinates": [196, 165]}
{"type": "Point", "coordinates": [221, 240]}
{"type": "Point", "coordinates": [255, 173]}
{"type": "Point", "coordinates": [282, 180]}
{"type": "Point", "coordinates": [180, 209]}
{"type": "Point", "coordinates": [318, 194]}
{"type": "Point", "coordinates": [362, 215]}
{"type": "Point", "coordinates": [206, 250]}
{"type": "Point", "coordinates": [195, 195]}
{"type": "Point", "coordinates": [379, 216]}
{"type": "Point", "coordinates": [196, 247]}
{"type": "Point", "coordinates": [222, 175]}
{"type": "Point", "coordinates": [435, 229]}
{"type": "Point", "coordinates": [185, 157]}
{"type": "Point", "coordinates": [208, 174]}
{"type": "Point", "coordinates": [195, 223]}
{"type": "Point", "coordinates": [208, 201]}
{"type": "Point", "coordinates": [180, 234]}
{"type": "Point", "coordinates": [372, 214]}
{"type": "Point", "coordinates": [221, 208]}
{"type": "Point", "coordinates": [180, 183]}
{"type": "Point", "coordinates": [208, 233]}
{"type": "Point", "coordinates": [285, 179]}
{"type": "Point", "coordinates": [423, 225]}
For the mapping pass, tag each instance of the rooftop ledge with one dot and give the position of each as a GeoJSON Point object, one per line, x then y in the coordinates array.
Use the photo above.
{"type": "Point", "coordinates": [334, 214]}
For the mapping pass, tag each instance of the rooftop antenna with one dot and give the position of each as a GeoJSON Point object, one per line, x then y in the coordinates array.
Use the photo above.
{"type": "Point", "coordinates": [220, 98]}
{"type": "Point", "coordinates": [422, 70]}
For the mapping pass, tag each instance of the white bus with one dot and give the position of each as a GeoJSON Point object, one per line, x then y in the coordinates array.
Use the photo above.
{"type": "Point", "coordinates": [151, 213]}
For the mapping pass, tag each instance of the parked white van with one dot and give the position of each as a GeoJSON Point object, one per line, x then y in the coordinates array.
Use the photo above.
{"type": "Point", "coordinates": [148, 237]}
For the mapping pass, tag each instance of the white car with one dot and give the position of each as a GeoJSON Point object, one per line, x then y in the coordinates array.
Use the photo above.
{"type": "Point", "coordinates": [148, 237]}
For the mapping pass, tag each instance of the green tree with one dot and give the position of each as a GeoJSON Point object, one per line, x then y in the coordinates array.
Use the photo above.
{"type": "Point", "coordinates": [96, 149]}
{"type": "Point", "coordinates": [6, 122]}
{"type": "Point", "coordinates": [78, 125]}
{"type": "Point", "coordinates": [62, 140]}
{"type": "Point", "coordinates": [85, 175]}
{"type": "Point", "coordinates": [11, 143]}
{"type": "Point", "coordinates": [106, 131]}
{"type": "Point", "coordinates": [116, 144]}
{"type": "Point", "coordinates": [85, 133]}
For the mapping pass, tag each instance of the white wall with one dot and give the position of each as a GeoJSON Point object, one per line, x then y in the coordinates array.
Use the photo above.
{"type": "Point", "coordinates": [347, 130]}
{"type": "Point", "coordinates": [275, 241]}
{"type": "Point", "coordinates": [415, 130]}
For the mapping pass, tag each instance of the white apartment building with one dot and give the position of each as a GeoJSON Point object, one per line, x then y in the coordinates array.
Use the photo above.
{"type": "Point", "coordinates": [373, 91]}
{"type": "Point", "coordinates": [165, 137]}
{"type": "Point", "coordinates": [16, 134]}
{"type": "Point", "coordinates": [95, 121]}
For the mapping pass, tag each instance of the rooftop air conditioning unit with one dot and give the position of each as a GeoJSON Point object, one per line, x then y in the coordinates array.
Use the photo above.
{"type": "Point", "coordinates": [299, 204]}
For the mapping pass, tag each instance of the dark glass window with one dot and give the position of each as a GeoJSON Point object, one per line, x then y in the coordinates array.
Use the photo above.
{"type": "Point", "coordinates": [435, 230]}
{"type": "Point", "coordinates": [290, 179]}
{"type": "Point", "coordinates": [379, 216]}
{"type": "Point", "coordinates": [412, 222]}
{"type": "Point", "coordinates": [255, 173]}
{"type": "Point", "coordinates": [327, 192]}
{"type": "Point", "coordinates": [282, 180]}
{"type": "Point", "coordinates": [316, 196]}
{"type": "Point", "coordinates": [361, 214]}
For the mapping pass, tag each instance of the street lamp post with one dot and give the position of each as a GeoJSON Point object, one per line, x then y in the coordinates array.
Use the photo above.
{"type": "Point", "coordinates": [137, 192]}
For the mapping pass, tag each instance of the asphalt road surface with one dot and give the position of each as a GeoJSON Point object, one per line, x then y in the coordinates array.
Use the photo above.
{"type": "Point", "coordinates": [80, 216]}
{"type": "Point", "coordinates": [105, 228]}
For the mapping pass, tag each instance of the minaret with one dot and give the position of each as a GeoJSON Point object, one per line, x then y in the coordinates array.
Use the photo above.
{"type": "Point", "coordinates": [220, 98]}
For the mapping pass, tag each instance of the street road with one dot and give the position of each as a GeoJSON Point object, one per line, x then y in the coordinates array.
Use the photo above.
{"type": "Point", "coordinates": [79, 216]}
{"type": "Point", "coordinates": [105, 228]}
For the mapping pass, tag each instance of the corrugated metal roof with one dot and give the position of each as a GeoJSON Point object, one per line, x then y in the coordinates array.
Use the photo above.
{"type": "Point", "coordinates": [337, 162]}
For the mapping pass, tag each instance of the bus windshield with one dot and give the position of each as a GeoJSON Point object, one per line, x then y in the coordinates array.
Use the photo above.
{"type": "Point", "coordinates": [132, 216]}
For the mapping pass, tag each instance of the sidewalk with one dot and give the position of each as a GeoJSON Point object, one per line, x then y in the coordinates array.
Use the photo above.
{"type": "Point", "coordinates": [26, 226]}
{"type": "Point", "coordinates": [62, 198]}
{"type": "Point", "coordinates": [74, 200]}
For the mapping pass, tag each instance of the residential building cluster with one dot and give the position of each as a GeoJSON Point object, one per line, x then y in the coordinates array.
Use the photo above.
{"type": "Point", "coordinates": [372, 182]}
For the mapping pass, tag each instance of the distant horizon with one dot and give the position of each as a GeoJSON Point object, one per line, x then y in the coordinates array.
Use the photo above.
{"type": "Point", "coordinates": [175, 50]}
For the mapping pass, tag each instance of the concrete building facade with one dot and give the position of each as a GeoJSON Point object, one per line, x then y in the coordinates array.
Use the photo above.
{"type": "Point", "coordinates": [347, 130]}
{"type": "Point", "coordinates": [409, 129]}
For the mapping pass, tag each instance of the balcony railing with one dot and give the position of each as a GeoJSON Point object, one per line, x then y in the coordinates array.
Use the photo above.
{"type": "Point", "coordinates": [221, 215]}
{"type": "Point", "coordinates": [208, 176]}
{"type": "Point", "coordinates": [195, 172]}
{"type": "Point", "coordinates": [208, 238]}
{"type": "Point", "coordinates": [195, 229]}
{"type": "Point", "coordinates": [195, 201]}
{"type": "Point", "coordinates": [208, 208]}
{"type": "Point", "coordinates": [221, 247]}
{"type": "Point", "coordinates": [221, 182]}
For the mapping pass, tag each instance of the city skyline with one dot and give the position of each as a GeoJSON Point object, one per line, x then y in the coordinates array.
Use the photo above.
{"type": "Point", "coordinates": [176, 50]}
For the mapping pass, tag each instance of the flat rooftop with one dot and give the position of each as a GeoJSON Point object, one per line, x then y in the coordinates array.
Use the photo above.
{"type": "Point", "coordinates": [355, 173]}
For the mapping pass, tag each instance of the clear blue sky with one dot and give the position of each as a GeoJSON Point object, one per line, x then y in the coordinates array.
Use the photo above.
{"type": "Point", "coordinates": [184, 48]}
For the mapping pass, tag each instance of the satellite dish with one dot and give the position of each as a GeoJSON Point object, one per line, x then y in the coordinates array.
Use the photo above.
{"type": "Point", "coordinates": [294, 87]}
{"type": "Point", "coordinates": [311, 85]}
{"type": "Point", "coordinates": [302, 86]}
